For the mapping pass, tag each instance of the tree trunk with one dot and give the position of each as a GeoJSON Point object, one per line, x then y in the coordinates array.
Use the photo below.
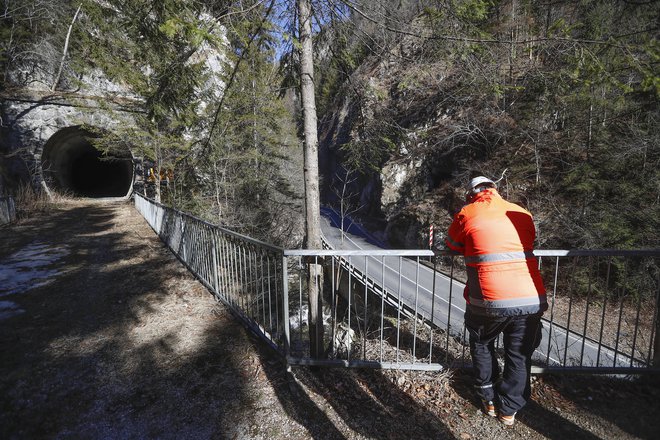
{"type": "Point", "coordinates": [311, 173]}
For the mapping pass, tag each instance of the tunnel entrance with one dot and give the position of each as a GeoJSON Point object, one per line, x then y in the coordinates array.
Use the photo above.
{"type": "Point", "coordinates": [72, 165]}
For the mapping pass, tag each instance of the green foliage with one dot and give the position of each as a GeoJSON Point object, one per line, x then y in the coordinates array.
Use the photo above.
{"type": "Point", "coordinates": [242, 180]}
{"type": "Point", "coordinates": [368, 155]}
{"type": "Point", "coordinates": [433, 14]}
{"type": "Point", "coordinates": [559, 28]}
{"type": "Point", "coordinates": [157, 51]}
{"type": "Point", "coordinates": [590, 107]}
{"type": "Point", "coordinates": [475, 11]}
{"type": "Point", "coordinates": [566, 101]}
{"type": "Point", "coordinates": [152, 48]}
{"type": "Point", "coordinates": [333, 73]}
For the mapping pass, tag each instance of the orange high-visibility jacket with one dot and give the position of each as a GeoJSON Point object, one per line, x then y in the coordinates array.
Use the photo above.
{"type": "Point", "coordinates": [497, 237]}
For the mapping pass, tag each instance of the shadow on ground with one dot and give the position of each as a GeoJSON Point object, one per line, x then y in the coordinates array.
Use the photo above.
{"type": "Point", "coordinates": [122, 343]}
{"type": "Point", "coordinates": [630, 403]}
{"type": "Point", "coordinates": [362, 402]}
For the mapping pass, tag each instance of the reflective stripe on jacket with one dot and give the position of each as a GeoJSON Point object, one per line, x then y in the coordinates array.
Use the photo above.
{"type": "Point", "coordinates": [497, 238]}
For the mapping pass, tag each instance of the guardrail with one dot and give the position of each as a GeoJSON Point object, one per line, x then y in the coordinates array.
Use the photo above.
{"type": "Point", "coordinates": [392, 309]}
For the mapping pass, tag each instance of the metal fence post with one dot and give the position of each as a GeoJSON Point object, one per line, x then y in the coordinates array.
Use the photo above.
{"type": "Point", "coordinates": [656, 345]}
{"type": "Point", "coordinates": [285, 307]}
{"type": "Point", "coordinates": [214, 251]}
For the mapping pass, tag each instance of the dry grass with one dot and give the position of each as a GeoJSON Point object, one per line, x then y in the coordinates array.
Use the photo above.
{"type": "Point", "coordinates": [31, 202]}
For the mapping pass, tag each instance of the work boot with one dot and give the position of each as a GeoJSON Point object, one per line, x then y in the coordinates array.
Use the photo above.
{"type": "Point", "coordinates": [488, 407]}
{"type": "Point", "coordinates": [507, 420]}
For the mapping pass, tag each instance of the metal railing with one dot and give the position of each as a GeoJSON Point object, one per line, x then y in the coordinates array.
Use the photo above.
{"type": "Point", "coordinates": [394, 309]}
{"type": "Point", "coordinates": [373, 314]}
{"type": "Point", "coordinates": [603, 310]}
{"type": "Point", "coordinates": [244, 273]}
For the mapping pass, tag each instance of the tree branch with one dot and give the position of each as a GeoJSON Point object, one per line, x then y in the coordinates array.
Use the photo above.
{"type": "Point", "coordinates": [66, 48]}
{"type": "Point", "coordinates": [607, 42]}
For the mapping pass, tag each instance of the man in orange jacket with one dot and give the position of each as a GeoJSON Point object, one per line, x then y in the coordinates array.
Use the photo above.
{"type": "Point", "coordinates": [504, 294]}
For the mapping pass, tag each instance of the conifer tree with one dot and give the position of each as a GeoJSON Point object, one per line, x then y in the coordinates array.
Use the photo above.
{"type": "Point", "coordinates": [254, 142]}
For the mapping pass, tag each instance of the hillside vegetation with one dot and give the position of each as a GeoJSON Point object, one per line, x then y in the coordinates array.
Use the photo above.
{"type": "Point", "coordinates": [559, 100]}
{"type": "Point", "coordinates": [204, 88]}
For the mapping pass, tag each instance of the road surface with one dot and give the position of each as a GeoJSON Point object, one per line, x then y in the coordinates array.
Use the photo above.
{"type": "Point", "coordinates": [438, 299]}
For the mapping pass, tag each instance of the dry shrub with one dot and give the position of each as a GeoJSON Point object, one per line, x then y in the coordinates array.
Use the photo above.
{"type": "Point", "coordinates": [31, 201]}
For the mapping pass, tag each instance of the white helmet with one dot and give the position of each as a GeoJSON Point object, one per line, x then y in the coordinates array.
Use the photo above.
{"type": "Point", "coordinates": [480, 183]}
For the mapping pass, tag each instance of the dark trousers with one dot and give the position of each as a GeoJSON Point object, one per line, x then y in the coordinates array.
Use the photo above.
{"type": "Point", "coordinates": [522, 334]}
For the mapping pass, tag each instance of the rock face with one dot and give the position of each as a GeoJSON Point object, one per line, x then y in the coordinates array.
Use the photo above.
{"type": "Point", "coordinates": [394, 175]}
{"type": "Point", "coordinates": [391, 194]}
{"type": "Point", "coordinates": [419, 133]}
{"type": "Point", "coordinates": [34, 128]}
{"type": "Point", "coordinates": [49, 135]}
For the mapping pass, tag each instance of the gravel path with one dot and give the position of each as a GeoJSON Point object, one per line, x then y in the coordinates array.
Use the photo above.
{"type": "Point", "coordinates": [103, 334]}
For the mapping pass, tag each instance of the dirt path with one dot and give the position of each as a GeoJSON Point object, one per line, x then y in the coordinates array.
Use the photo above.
{"type": "Point", "coordinates": [103, 334]}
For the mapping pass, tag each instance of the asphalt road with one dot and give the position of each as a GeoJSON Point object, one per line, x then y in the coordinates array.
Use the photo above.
{"type": "Point", "coordinates": [439, 300]}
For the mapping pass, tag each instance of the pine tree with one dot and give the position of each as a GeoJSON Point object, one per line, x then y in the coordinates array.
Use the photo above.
{"type": "Point", "coordinates": [155, 48]}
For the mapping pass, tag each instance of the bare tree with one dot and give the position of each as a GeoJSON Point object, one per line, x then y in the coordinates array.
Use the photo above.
{"type": "Point", "coordinates": [342, 189]}
{"type": "Point", "coordinates": [311, 173]}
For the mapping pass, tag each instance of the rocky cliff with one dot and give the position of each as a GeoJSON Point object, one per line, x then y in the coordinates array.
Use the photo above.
{"type": "Point", "coordinates": [561, 133]}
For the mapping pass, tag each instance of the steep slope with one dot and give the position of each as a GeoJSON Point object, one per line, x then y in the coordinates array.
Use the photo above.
{"type": "Point", "coordinates": [560, 114]}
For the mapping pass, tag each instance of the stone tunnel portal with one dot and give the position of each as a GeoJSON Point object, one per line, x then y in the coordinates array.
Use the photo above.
{"type": "Point", "coordinates": [71, 164]}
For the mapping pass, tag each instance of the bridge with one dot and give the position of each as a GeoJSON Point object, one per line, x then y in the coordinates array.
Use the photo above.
{"type": "Point", "coordinates": [404, 309]}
